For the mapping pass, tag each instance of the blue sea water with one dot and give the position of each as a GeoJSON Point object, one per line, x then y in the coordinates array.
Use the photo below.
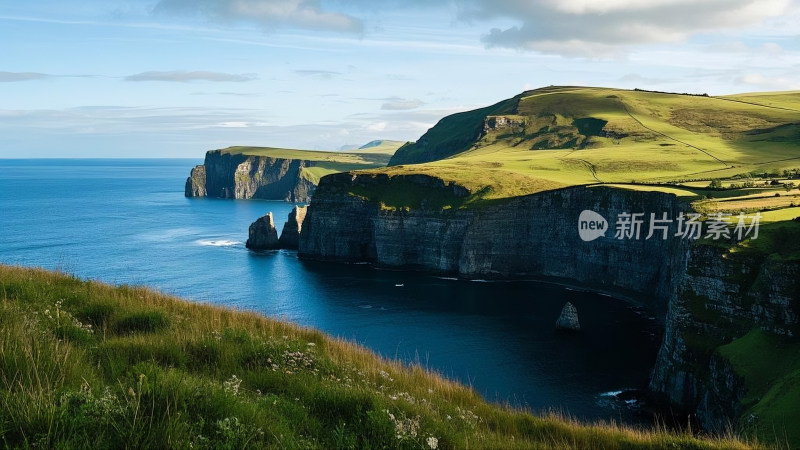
{"type": "Point", "coordinates": [127, 221]}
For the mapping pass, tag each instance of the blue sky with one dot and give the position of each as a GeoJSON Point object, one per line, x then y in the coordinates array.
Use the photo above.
{"type": "Point", "coordinates": [174, 78]}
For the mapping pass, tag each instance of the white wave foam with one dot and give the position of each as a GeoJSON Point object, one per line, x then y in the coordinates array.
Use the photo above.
{"type": "Point", "coordinates": [611, 393]}
{"type": "Point", "coordinates": [217, 243]}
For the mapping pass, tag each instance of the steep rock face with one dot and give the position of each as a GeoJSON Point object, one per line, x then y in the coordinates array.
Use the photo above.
{"type": "Point", "coordinates": [196, 183]}
{"type": "Point", "coordinates": [228, 175]}
{"type": "Point", "coordinates": [722, 296]}
{"type": "Point", "coordinates": [262, 234]}
{"type": "Point", "coordinates": [532, 236]}
{"type": "Point", "coordinates": [720, 404]}
{"type": "Point", "coordinates": [537, 236]}
{"type": "Point", "coordinates": [290, 235]}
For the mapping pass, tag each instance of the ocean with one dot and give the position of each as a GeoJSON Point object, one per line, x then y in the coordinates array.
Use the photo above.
{"type": "Point", "coordinates": [128, 222]}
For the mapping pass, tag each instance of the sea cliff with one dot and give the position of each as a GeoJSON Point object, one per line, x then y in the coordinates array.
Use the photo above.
{"type": "Point", "coordinates": [240, 176]}
{"type": "Point", "coordinates": [706, 295]}
{"type": "Point", "coordinates": [534, 236]}
{"type": "Point", "coordinates": [722, 296]}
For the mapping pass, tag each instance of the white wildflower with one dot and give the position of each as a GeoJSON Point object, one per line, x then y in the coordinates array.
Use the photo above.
{"type": "Point", "coordinates": [433, 443]}
{"type": "Point", "coordinates": [231, 386]}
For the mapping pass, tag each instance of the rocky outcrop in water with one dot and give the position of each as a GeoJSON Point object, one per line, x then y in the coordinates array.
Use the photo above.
{"type": "Point", "coordinates": [290, 235]}
{"type": "Point", "coordinates": [233, 175]}
{"type": "Point", "coordinates": [262, 234]}
{"type": "Point", "coordinates": [568, 320]}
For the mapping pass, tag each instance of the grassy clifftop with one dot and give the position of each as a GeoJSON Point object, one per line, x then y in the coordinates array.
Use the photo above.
{"type": "Point", "coordinates": [371, 155]}
{"type": "Point", "coordinates": [83, 364]}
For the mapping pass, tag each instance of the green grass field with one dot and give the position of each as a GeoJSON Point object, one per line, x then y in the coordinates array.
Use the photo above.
{"type": "Point", "coordinates": [87, 365]}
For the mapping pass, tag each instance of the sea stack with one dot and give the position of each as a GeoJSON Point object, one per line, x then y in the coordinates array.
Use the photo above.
{"type": "Point", "coordinates": [290, 235]}
{"type": "Point", "coordinates": [568, 320]}
{"type": "Point", "coordinates": [263, 235]}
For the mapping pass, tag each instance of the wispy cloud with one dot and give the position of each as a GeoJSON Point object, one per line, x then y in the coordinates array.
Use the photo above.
{"type": "Point", "coordinates": [190, 131]}
{"type": "Point", "coordinates": [399, 104]}
{"type": "Point", "coordinates": [318, 73]}
{"type": "Point", "coordinates": [270, 14]}
{"type": "Point", "coordinates": [229, 94]}
{"type": "Point", "coordinates": [180, 76]}
{"type": "Point", "coordinates": [9, 77]}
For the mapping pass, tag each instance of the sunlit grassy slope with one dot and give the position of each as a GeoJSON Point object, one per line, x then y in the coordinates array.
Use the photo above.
{"type": "Point", "coordinates": [562, 136]}
{"type": "Point", "coordinates": [87, 365]}
{"type": "Point", "coordinates": [770, 367]}
{"type": "Point", "coordinates": [374, 154]}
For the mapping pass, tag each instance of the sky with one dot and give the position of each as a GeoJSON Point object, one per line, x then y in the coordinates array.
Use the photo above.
{"type": "Point", "coordinates": [174, 78]}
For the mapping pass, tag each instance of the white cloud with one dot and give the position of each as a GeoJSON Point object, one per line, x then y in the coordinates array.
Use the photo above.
{"type": "Point", "coordinates": [399, 104]}
{"type": "Point", "coordinates": [377, 126]}
{"type": "Point", "coordinates": [181, 76]}
{"type": "Point", "coordinates": [763, 82]}
{"type": "Point", "coordinates": [603, 27]}
{"type": "Point", "coordinates": [307, 14]}
{"type": "Point", "coordinates": [772, 47]}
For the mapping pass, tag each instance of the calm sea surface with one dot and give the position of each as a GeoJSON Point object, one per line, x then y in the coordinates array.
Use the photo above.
{"type": "Point", "coordinates": [127, 221]}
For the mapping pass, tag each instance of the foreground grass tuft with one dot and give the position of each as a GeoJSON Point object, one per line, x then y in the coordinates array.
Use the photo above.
{"type": "Point", "coordinates": [87, 365]}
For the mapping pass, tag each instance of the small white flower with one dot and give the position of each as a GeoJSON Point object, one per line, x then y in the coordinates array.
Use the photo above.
{"type": "Point", "coordinates": [232, 385]}
{"type": "Point", "coordinates": [433, 443]}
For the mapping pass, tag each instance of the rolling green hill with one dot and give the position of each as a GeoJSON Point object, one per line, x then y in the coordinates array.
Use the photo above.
{"type": "Point", "coordinates": [561, 136]}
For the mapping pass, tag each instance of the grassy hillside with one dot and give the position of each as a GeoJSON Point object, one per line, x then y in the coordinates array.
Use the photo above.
{"type": "Point", "coordinates": [83, 364]}
{"type": "Point", "coordinates": [770, 366]}
{"type": "Point", "coordinates": [372, 155]}
{"type": "Point", "coordinates": [562, 136]}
